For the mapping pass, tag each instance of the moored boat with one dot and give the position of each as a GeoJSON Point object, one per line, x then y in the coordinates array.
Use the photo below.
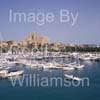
{"type": "Point", "coordinates": [71, 77]}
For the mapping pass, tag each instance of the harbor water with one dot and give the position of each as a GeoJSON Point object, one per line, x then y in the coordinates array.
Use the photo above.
{"type": "Point", "coordinates": [91, 70]}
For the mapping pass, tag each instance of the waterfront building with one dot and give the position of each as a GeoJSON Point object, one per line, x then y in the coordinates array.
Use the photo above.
{"type": "Point", "coordinates": [36, 39]}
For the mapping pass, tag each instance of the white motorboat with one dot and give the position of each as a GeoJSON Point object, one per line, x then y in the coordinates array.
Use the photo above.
{"type": "Point", "coordinates": [67, 67]}
{"type": "Point", "coordinates": [87, 57]}
{"type": "Point", "coordinates": [71, 77]}
{"type": "Point", "coordinates": [7, 74]}
{"type": "Point", "coordinates": [50, 65]}
{"type": "Point", "coordinates": [68, 76]}
{"type": "Point", "coordinates": [77, 79]}
{"type": "Point", "coordinates": [72, 66]}
{"type": "Point", "coordinates": [16, 73]}
{"type": "Point", "coordinates": [77, 65]}
{"type": "Point", "coordinates": [6, 62]}
{"type": "Point", "coordinates": [3, 74]}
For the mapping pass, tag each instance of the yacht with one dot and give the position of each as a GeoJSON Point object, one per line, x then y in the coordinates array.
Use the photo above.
{"type": "Point", "coordinates": [77, 65]}
{"type": "Point", "coordinates": [50, 65]}
{"type": "Point", "coordinates": [3, 74]}
{"type": "Point", "coordinates": [88, 57]}
{"type": "Point", "coordinates": [6, 62]}
{"type": "Point", "coordinates": [71, 77]}
{"type": "Point", "coordinates": [77, 79]}
{"type": "Point", "coordinates": [72, 66]}
{"type": "Point", "coordinates": [67, 67]}
{"type": "Point", "coordinates": [7, 73]}
{"type": "Point", "coordinates": [68, 76]}
{"type": "Point", "coordinates": [16, 73]}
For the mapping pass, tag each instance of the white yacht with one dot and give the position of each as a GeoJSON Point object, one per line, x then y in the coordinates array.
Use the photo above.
{"type": "Point", "coordinates": [7, 74]}
{"type": "Point", "coordinates": [77, 65]}
{"type": "Point", "coordinates": [3, 72]}
{"type": "Point", "coordinates": [77, 79]}
{"type": "Point", "coordinates": [68, 76]}
{"type": "Point", "coordinates": [16, 73]}
{"type": "Point", "coordinates": [72, 66]}
{"type": "Point", "coordinates": [5, 62]}
{"type": "Point", "coordinates": [71, 77]}
{"type": "Point", "coordinates": [89, 56]}
{"type": "Point", "coordinates": [67, 67]}
{"type": "Point", "coordinates": [50, 65]}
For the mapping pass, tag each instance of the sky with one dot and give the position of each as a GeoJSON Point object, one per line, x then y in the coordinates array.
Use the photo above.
{"type": "Point", "coordinates": [85, 31]}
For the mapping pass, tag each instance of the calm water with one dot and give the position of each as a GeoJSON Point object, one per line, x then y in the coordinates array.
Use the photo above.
{"type": "Point", "coordinates": [91, 70]}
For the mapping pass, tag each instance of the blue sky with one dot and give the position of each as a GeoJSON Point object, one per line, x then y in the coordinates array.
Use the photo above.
{"type": "Point", "coordinates": [85, 31]}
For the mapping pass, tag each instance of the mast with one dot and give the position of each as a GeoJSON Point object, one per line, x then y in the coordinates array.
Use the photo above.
{"type": "Point", "coordinates": [1, 39]}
